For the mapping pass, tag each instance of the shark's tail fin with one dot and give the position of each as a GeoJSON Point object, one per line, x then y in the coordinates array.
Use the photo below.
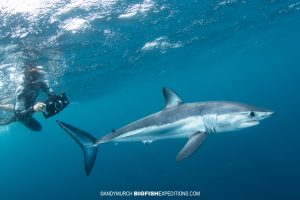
{"type": "Point", "coordinates": [87, 143]}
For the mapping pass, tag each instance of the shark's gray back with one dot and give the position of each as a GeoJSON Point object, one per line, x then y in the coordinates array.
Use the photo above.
{"type": "Point", "coordinates": [182, 111]}
{"type": "Point", "coordinates": [173, 114]}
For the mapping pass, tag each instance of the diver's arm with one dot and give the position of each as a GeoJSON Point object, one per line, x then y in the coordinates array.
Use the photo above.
{"type": "Point", "coordinates": [38, 107]}
{"type": "Point", "coordinates": [20, 114]}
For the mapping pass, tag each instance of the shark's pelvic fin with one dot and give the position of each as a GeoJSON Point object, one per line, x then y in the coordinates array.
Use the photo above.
{"type": "Point", "coordinates": [191, 146]}
{"type": "Point", "coordinates": [171, 98]}
{"type": "Point", "coordinates": [87, 143]}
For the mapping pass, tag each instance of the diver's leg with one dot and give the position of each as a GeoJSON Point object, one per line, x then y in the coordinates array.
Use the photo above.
{"type": "Point", "coordinates": [7, 107]}
{"type": "Point", "coordinates": [6, 121]}
{"type": "Point", "coordinates": [31, 123]}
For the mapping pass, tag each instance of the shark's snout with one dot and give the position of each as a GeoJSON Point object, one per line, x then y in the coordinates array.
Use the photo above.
{"type": "Point", "coordinates": [267, 114]}
{"type": "Point", "coordinates": [262, 113]}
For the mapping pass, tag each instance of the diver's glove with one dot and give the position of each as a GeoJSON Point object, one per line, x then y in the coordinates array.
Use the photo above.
{"type": "Point", "coordinates": [39, 107]}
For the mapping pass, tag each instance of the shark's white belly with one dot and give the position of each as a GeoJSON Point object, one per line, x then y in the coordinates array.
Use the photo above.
{"type": "Point", "coordinates": [179, 129]}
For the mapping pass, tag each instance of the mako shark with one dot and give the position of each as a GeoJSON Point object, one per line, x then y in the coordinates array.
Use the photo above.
{"type": "Point", "coordinates": [194, 121]}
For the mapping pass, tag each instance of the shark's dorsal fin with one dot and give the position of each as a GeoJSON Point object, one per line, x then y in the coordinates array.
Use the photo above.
{"type": "Point", "coordinates": [171, 98]}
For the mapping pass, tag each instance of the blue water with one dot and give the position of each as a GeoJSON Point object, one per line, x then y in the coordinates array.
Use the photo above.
{"type": "Point", "coordinates": [112, 58]}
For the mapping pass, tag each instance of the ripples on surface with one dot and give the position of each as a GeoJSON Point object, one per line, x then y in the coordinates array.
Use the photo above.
{"type": "Point", "coordinates": [99, 43]}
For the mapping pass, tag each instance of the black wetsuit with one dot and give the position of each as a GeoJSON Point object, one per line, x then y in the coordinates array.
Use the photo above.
{"type": "Point", "coordinates": [26, 96]}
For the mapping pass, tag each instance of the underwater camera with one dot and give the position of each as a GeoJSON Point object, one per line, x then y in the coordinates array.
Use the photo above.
{"type": "Point", "coordinates": [55, 104]}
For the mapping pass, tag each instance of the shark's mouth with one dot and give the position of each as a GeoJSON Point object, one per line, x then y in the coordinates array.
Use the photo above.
{"type": "Point", "coordinates": [253, 122]}
{"type": "Point", "coordinates": [248, 123]}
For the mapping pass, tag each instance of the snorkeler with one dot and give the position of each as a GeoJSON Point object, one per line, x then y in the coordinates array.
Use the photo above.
{"type": "Point", "coordinates": [26, 96]}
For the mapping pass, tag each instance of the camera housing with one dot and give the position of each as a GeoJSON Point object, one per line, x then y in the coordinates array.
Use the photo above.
{"type": "Point", "coordinates": [55, 104]}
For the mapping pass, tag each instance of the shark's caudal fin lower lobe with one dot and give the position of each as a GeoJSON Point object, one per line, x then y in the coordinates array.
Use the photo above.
{"type": "Point", "coordinates": [87, 143]}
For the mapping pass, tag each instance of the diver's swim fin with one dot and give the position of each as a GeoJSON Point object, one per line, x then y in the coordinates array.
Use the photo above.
{"type": "Point", "coordinates": [87, 143]}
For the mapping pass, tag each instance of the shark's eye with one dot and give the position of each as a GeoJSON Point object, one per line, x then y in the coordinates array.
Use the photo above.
{"type": "Point", "coordinates": [252, 114]}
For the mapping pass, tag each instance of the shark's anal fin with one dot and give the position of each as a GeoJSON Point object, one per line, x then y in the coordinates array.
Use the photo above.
{"type": "Point", "coordinates": [171, 98]}
{"type": "Point", "coordinates": [191, 146]}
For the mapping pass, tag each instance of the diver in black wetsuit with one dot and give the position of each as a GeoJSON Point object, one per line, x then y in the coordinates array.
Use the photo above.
{"type": "Point", "coordinates": [26, 95]}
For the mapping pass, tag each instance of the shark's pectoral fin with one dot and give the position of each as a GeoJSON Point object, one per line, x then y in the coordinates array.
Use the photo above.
{"type": "Point", "coordinates": [171, 98]}
{"type": "Point", "coordinates": [191, 146]}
